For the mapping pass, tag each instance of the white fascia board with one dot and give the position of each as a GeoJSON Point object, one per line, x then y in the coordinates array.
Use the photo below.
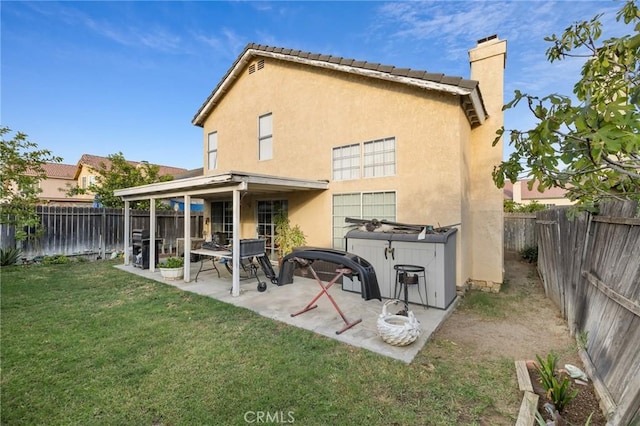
{"type": "Point", "coordinates": [179, 184]}
{"type": "Point", "coordinates": [478, 106]}
{"type": "Point", "coordinates": [224, 87]}
{"type": "Point", "coordinates": [424, 84]}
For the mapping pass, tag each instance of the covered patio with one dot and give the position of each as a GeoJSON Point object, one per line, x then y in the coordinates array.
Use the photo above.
{"type": "Point", "coordinates": [229, 185]}
{"type": "Point", "coordinates": [279, 302]}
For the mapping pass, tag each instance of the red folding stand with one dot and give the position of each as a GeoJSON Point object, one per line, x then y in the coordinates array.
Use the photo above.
{"type": "Point", "coordinates": [311, 305]}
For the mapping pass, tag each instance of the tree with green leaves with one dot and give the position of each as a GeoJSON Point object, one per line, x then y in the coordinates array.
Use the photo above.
{"type": "Point", "coordinates": [590, 147]}
{"type": "Point", "coordinates": [119, 173]}
{"type": "Point", "coordinates": [21, 167]}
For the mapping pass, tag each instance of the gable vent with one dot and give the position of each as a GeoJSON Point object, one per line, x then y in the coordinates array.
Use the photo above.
{"type": "Point", "coordinates": [260, 64]}
{"type": "Point", "coordinates": [252, 68]}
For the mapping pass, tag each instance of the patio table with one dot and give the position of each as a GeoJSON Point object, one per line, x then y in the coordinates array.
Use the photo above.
{"type": "Point", "coordinates": [205, 254]}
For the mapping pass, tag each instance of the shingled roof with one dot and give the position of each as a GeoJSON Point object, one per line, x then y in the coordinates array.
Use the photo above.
{"type": "Point", "coordinates": [57, 170]}
{"type": "Point", "coordinates": [94, 162]}
{"type": "Point", "coordinates": [468, 90]}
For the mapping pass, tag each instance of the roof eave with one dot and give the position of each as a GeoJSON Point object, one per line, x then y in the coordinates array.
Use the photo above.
{"type": "Point", "coordinates": [249, 53]}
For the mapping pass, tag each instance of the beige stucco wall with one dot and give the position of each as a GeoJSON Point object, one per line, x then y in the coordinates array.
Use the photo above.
{"type": "Point", "coordinates": [315, 110]}
{"type": "Point", "coordinates": [485, 199]}
{"type": "Point", "coordinates": [85, 171]}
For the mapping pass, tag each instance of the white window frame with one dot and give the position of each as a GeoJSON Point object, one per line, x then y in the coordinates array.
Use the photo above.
{"type": "Point", "coordinates": [212, 150]}
{"type": "Point", "coordinates": [379, 158]}
{"type": "Point", "coordinates": [376, 158]}
{"type": "Point", "coordinates": [360, 209]}
{"type": "Point", "coordinates": [346, 162]}
{"type": "Point", "coordinates": [265, 137]}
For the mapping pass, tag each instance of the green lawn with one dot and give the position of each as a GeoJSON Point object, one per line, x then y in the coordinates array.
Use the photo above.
{"type": "Point", "coordinates": [87, 343]}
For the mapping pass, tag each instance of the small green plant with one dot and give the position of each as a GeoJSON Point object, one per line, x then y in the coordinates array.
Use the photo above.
{"type": "Point", "coordinates": [530, 254]}
{"type": "Point", "coordinates": [10, 256]}
{"type": "Point", "coordinates": [58, 259]}
{"type": "Point", "coordinates": [558, 391]}
{"type": "Point", "coordinates": [172, 262]}
{"type": "Point", "coordinates": [547, 370]}
{"type": "Point", "coordinates": [583, 339]}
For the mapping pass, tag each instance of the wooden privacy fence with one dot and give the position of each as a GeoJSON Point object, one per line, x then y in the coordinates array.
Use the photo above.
{"type": "Point", "coordinates": [93, 232]}
{"type": "Point", "coordinates": [519, 231]}
{"type": "Point", "coordinates": [590, 267]}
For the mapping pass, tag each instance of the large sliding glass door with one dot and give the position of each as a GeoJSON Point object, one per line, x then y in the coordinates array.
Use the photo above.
{"type": "Point", "coordinates": [222, 218]}
{"type": "Point", "coordinates": [267, 210]}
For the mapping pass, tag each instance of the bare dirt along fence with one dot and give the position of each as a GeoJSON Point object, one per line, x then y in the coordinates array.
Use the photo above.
{"type": "Point", "coordinates": [590, 267]}
{"type": "Point", "coordinates": [93, 232]}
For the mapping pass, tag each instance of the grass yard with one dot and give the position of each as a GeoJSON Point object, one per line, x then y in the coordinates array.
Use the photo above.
{"type": "Point", "coordinates": [86, 343]}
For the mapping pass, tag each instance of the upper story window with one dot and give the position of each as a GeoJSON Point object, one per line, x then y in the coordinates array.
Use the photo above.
{"type": "Point", "coordinates": [346, 162]}
{"type": "Point", "coordinates": [88, 181]}
{"type": "Point", "coordinates": [378, 158]}
{"type": "Point", "coordinates": [265, 137]}
{"type": "Point", "coordinates": [212, 150]}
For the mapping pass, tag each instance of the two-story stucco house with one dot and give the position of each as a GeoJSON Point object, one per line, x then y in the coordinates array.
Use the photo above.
{"type": "Point", "coordinates": [326, 137]}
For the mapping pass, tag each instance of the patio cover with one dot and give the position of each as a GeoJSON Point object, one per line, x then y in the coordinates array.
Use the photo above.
{"type": "Point", "coordinates": [208, 187]}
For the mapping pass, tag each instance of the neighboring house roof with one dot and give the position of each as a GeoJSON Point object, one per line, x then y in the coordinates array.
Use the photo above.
{"type": "Point", "coordinates": [468, 90]}
{"type": "Point", "coordinates": [57, 170]}
{"type": "Point", "coordinates": [190, 173]}
{"type": "Point", "coordinates": [94, 161]}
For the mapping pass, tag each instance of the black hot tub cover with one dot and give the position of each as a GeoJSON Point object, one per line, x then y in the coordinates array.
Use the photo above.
{"type": "Point", "coordinates": [360, 268]}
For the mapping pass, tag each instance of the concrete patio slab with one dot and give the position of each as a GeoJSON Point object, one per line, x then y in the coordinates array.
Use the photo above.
{"type": "Point", "coordinates": [279, 302]}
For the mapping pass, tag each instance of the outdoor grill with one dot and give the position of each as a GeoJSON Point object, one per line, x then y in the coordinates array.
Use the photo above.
{"type": "Point", "coordinates": [141, 248]}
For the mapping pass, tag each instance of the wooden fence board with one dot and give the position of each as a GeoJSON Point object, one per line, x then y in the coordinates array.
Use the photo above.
{"type": "Point", "coordinates": [93, 231]}
{"type": "Point", "coordinates": [591, 270]}
{"type": "Point", "coordinates": [519, 231]}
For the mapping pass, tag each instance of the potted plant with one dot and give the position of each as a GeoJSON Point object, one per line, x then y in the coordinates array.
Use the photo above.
{"type": "Point", "coordinates": [286, 239]}
{"type": "Point", "coordinates": [172, 268]}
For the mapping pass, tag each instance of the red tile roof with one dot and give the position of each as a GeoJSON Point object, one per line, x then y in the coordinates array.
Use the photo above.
{"type": "Point", "coordinates": [94, 162]}
{"type": "Point", "coordinates": [57, 170]}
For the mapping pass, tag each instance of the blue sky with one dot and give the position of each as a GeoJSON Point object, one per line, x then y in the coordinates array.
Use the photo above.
{"type": "Point", "coordinates": [106, 77]}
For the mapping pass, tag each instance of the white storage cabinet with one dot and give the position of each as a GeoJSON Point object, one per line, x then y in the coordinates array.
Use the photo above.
{"type": "Point", "coordinates": [436, 253]}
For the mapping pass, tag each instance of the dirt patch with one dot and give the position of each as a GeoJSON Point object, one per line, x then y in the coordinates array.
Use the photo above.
{"type": "Point", "coordinates": [518, 323]}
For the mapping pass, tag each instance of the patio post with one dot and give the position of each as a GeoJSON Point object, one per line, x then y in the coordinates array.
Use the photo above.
{"type": "Point", "coordinates": [187, 238]}
{"type": "Point", "coordinates": [152, 234]}
{"type": "Point", "coordinates": [235, 288]}
{"type": "Point", "coordinates": [127, 232]}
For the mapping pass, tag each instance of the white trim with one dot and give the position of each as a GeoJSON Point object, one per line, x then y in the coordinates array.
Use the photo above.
{"type": "Point", "coordinates": [215, 183]}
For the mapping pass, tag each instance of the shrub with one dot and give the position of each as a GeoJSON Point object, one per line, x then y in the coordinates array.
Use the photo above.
{"type": "Point", "coordinates": [530, 254]}
{"type": "Point", "coordinates": [10, 256]}
{"type": "Point", "coordinates": [58, 259]}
